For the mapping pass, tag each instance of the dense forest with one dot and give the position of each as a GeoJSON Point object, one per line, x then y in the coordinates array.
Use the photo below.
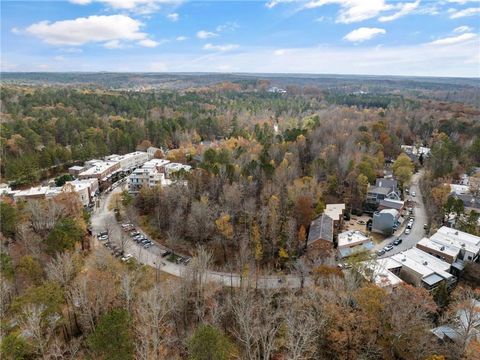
{"type": "Point", "coordinates": [264, 165]}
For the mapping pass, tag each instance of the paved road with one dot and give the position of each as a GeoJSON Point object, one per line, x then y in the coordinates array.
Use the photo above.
{"type": "Point", "coordinates": [103, 219]}
{"type": "Point", "coordinates": [417, 232]}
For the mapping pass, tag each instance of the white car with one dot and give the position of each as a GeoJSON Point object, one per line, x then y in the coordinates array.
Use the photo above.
{"type": "Point", "coordinates": [413, 193]}
{"type": "Point", "coordinates": [127, 257]}
{"type": "Point", "coordinates": [407, 231]}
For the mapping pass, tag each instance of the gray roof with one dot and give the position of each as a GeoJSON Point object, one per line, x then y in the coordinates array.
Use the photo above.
{"type": "Point", "coordinates": [379, 190]}
{"type": "Point", "coordinates": [391, 204]}
{"type": "Point", "coordinates": [388, 183]}
{"type": "Point", "coordinates": [321, 229]}
{"type": "Point", "coordinates": [469, 200]}
{"type": "Point", "coordinates": [432, 279]}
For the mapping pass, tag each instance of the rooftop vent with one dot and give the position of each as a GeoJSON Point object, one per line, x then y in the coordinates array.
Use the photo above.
{"type": "Point", "coordinates": [442, 248]}
{"type": "Point", "coordinates": [456, 232]}
{"type": "Point", "coordinates": [425, 263]}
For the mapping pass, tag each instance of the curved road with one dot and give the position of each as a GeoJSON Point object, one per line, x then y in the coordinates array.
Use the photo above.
{"type": "Point", "coordinates": [417, 232]}
{"type": "Point", "coordinates": [103, 219]}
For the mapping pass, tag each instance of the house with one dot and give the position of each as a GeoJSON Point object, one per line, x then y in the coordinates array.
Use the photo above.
{"type": "Point", "coordinates": [100, 170]}
{"type": "Point", "coordinates": [353, 242]}
{"type": "Point", "coordinates": [320, 235]}
{"type": "Point", "coordinates": [469, 201]}
{"type": "Point", "coordinates": [384, 221]}
{"type": "Point", "coordinates": [398, 205]}
{"type": "Point", "coordinates": [129, 161]}
{"type": "Point", "coordinates": [151, 151]}
{"type": "Point", "coordinates": [335, 212]}
{"type": "Point", "coordinates": [375, 194]}
{"type": "Point", "coordinates": [416, 151]}
{"type": "Point", "coordinates": [421, 269]}
{"type": "Point", "coordinates": [465, 325]}
{"type": "Point", "coordinates": [390, 183]}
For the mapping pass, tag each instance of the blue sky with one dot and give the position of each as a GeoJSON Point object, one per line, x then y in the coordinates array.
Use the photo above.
{"type": "Point", "coordinates": [380, 37]}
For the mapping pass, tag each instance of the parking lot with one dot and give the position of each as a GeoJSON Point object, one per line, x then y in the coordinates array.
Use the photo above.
{"type": "Point", "coordinates": [118, 245]}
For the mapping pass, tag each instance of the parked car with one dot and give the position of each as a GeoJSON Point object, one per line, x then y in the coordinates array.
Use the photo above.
{"type": "Point", "coordinates": [166, 253]}
{"type": "Point", "coordinates": [407, 231]}
{"type": "Point", "coordinates": [413, 193]}
{"type": "Point", "coordinates": [388, 248]}
{"type": "Point", "coordinates": [134, 233]}
{"type": "Point", "coordinates": [186, 261]}
{"type": "Point", "coordinates": [103, 237]}
{"type": "Point", "coordinates": [146, 246]}
{"type": "Point", "coordinates": [397, 242]}
{"type": "Point", "coordinates": [127, 257]}
{"type": "Point", "coordinates": [425, 226]}
{"type": "Point", "coordinates": [380, 252]}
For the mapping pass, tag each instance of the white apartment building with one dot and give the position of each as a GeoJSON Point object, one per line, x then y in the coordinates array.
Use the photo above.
{"type": "Point", "coordinates": [153, 173]}
{"type": "Point", "coordinates": [129, 161]}
{"type": "Point", "coordinates": [86, 189]}
{"type": "Point", "coordinates": [100, 170]}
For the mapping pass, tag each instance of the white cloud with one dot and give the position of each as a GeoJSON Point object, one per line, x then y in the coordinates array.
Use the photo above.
{"type": "Point", "coordinates": [454, 39]}
{"type": "Point", "coordinates": [59, 58]}
{"type": "Point", "coordinates": [405, 9]}
{"type": "Point", "coordinates": [461, 2]}
{"type": "Point", "coordinates": [203, 34]}
{"type": "Point", "coordinates": [363, 33]}
{"type": "Point", "coordinates": [90, 29]}
{"type": "Point", "coordinates": [113, 44]}
{"type": "Point", "coordinates": [173, 17]}
{"type": "Point", "coordinates": [181, 38]}
{"type": "Point", "coordinates": [148, 43]}
{"type": "Point", "coordinates": [353, 10]}
{"type": "Point", "coordinates": [136, 6]}
{"type": "Point", "coordinates": [225, 47]}
{"type": "Point", "coordinates": [227, 26]}
{"type": "Point", "coordinates": [462, 29]}
{"type": "Point", "coordinates": [272, 3]}
{"type": "Point", "coordinates": [455, 14]}
{"type": "Point", "coordinates": [16, 30]}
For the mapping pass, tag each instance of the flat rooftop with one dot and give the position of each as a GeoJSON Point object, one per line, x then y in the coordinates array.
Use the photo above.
{"type": "Point", "coordinates": [441, 247]}
{"type": "Point", "coordinates": [351, 238]}
{"type": "Point", "coordinates": [99, 167]}
{"type": "Point", "coordinates": [456, 238]}
{"type": "Point", "coordinates": [335, 211]}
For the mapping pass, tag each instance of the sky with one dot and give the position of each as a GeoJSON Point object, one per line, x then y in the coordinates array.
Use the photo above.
{"type": "Point", "coordinates": [375, 37]}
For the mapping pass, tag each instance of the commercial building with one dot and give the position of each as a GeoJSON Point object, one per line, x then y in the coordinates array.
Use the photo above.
{"type": "Point", "coordinates": [129, 161]}
{"type": "Point", "coordinates": [100, 170]}
{"type": "Point", "coordinates": [353, 242]}
{"type": "Point", "coordinates": [35, 193]}
{"type": "Point", "coordinates": [467, 244]}
{"type": "Point", "coordinates": [76, 170]}
{"type": "Point", "coordinates": [86, 189]}
{"type": "Point", "coordinates": [421, 269]}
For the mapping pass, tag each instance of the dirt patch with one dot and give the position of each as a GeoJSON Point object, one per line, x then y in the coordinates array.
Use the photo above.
{"type": "Point", "coordinates": [359, 223]}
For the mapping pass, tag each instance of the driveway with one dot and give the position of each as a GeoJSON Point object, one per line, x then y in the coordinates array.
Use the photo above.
{"type": "Point", "coordinates": [417, 232]}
